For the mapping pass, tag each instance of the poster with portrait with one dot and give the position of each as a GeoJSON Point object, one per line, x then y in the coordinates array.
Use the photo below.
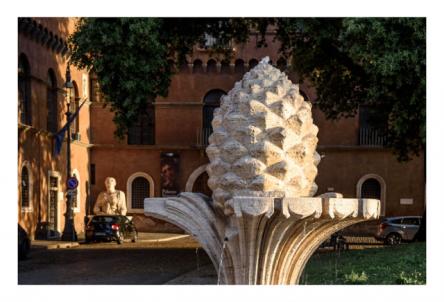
{"type": "Point", "coordinates": [169, 174]}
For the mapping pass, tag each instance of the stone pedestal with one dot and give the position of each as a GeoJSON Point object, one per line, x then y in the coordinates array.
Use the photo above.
{"type": "Point", "coordinates": [261, 240]}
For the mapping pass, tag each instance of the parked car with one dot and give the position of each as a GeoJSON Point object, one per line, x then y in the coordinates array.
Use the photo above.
{"type": "Point", "coordinates": [110, 228]}
{"type": "Point", "coordinates": [394, 230]}
{"type": "Point", "coordinates": [24, 244]}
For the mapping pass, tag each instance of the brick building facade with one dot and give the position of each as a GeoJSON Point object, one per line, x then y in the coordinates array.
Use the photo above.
{"type": "Point", "coordinates": [354, 161]}
{"type": "Point", "coordinates": [42, 62]}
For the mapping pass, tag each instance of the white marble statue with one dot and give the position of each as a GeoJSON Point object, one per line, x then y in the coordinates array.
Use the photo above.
{"type": "Point", "coordinates": [112, 201]}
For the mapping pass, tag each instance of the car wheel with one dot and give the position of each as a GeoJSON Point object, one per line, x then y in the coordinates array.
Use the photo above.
{"type": "Point", "coordinates": [393, 239]}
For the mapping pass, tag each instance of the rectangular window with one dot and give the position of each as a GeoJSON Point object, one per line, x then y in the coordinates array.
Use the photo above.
{"type": "Point", "coordinates": [370, 131]}
{"type": "Point", "coordinates": [142, 131]}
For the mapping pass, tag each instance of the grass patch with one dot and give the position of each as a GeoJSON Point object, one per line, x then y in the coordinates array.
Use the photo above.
{"type": "Point", "coordinates": [403, 264]}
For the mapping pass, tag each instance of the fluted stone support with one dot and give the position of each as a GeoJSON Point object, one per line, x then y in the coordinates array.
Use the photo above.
{"type": "Point", "coordinates": [267, 240]}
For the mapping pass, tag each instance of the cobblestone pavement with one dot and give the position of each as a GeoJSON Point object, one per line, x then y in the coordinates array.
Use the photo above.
{"type": "Point", "coordinates": [109, 263]}
{"type": "Point", "coordinates": [150, 261]}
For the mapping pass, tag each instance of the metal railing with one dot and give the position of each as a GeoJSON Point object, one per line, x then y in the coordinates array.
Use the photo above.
{"type": "Point", "coordinates": [202, 136]}
{"type": "Point", "coordinates": [369, 136]}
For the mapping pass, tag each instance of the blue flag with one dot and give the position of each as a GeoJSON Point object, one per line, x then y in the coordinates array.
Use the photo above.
{"type": "Point", "coordinates": [59, 136]}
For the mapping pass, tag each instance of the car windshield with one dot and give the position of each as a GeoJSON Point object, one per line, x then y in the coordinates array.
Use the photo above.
{"type": "Point", "coordinates": [104, 219]}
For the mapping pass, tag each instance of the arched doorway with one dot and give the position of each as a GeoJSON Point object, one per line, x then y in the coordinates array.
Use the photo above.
{"type": "Point", "coordinates": [201, 185]}
{"type": "Point", "coordinates": [198, 181]}
{"type": "Point", "coordinates": [372, 186]}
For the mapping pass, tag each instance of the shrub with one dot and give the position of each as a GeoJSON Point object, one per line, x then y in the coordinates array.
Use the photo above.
{"type": "Point", "coordinates": [355, 278]}
{"type": "Point", "coordinates": [410, 278]}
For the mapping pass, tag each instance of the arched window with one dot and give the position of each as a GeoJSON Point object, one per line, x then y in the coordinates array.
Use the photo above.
{"type": "Point", "coordinates": [142, 132]}
{"type": "Point", "coordinates": [211, 101]}
{"type": "Point", "coordinates": [140, 189]}
{"type": "Point", "coordinates": [25, 193]}
{"type": "Point", "coordinates": [51, 104]}
{"type": "Point", "coordinates": [239, 66]}
{"type": "Point", "coordinates": [197, 66]}
{"type": "Point", "coordinates": [252, 63]}
{"type": "Point", "coordinates": [25, 188]}
{"type": "Point", "coordinates": [211, 66]}
{"type": "Point", "coordinates": [74, 99]}
{"type": "Point", "coordinates": [225, 66]}
{"type": "Point", "coordinates": [372, 186]}
{"type": "Point", "coordinates": [139, 186]}
{"type": "Point", "coordinates": [24, 90]}
{"type": "Point", "coordinates": [94, 88]}
{"type": "Point", "coordinates": [281, 64]}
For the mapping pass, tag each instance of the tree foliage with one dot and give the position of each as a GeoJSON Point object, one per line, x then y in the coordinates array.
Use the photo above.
{"type": "Point", "coordinates": [380, 62]}
{"type": "Point", "coordinates": [130, 55]}
{"type": "Point", "coordinates": [350, 61]}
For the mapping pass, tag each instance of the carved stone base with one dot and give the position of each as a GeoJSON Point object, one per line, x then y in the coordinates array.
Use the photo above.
{"type": "Point", "coordinates": [261, 240]}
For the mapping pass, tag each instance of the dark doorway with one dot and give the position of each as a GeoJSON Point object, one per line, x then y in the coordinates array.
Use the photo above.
{"type": "Point", "coordinates": [201, 185]}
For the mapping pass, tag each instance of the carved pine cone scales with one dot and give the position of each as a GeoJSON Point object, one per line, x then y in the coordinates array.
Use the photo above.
{"type": "Point", "coordinates": [264, 140]}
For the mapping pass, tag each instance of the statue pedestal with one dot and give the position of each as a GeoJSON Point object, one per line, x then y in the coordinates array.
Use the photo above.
{"type": "Point", "coordinates": [261, 240]}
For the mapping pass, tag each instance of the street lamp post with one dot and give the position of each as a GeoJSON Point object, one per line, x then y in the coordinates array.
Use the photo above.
{"type": "Point", "coordinates": [69, 232]}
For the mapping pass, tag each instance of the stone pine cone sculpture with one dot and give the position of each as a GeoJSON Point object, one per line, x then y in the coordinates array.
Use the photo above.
{"type": "Point", "coordinates": [264, 140]}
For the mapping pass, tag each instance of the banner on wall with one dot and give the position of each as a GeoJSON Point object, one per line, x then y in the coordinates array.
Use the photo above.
{"type": "Point", "coordinates": [169, 174]}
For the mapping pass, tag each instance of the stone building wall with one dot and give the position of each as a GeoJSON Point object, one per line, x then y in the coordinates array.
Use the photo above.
{"type": "Point", "coordinates": [35, 143]}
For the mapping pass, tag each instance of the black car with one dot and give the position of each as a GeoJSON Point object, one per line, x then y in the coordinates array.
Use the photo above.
{"type": "Point", "coordinates": [109, 228]}
{"type": "Point", "coordinates": [24, 244]}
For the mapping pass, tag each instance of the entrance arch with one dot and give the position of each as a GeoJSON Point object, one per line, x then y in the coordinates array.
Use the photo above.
{"type": "Point", "coordinates": [194, 176]}
{"type": "Point", "coordinates": [367, 187]}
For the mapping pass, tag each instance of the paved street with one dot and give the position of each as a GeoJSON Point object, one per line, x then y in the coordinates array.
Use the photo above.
{"type": "Point", "coordinates": [109, 263]}
{"type": "Point", "coordinates": [156, 259]}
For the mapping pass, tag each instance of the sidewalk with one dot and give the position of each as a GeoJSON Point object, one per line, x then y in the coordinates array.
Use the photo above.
{"type": "Point", "coordinates": [148, 238]}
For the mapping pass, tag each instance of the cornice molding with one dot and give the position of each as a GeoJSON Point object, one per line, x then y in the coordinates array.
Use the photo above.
{"type": "Point", "coordinates": [43, 36]}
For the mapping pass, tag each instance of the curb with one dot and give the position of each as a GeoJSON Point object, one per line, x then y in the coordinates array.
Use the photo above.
{"type": "Point", "coordinates": [37, 244]}
{"type": "Point", "coordinates": [55, 245]}
{"type": "Point", "coordinates": [66, 245]}
{"type": "Point", "coordinates": [172, 238]}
